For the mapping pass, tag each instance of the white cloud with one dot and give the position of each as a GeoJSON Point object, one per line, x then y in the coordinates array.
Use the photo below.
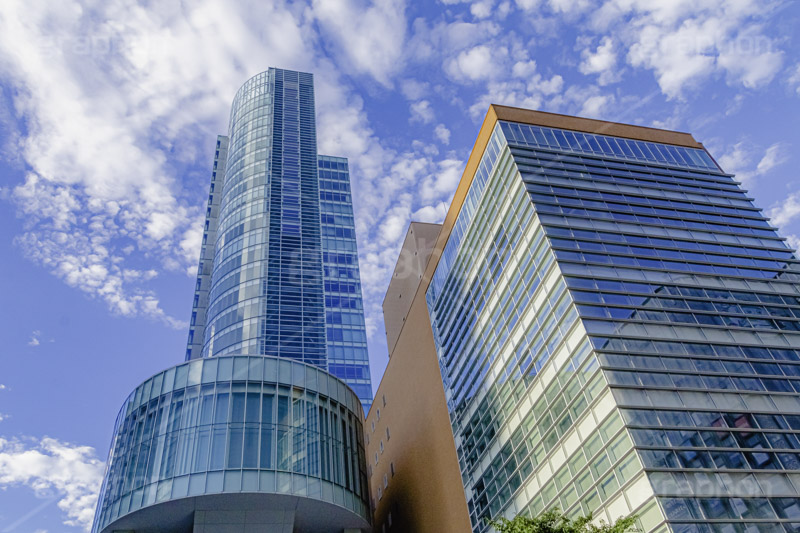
{"type": "Point", "coordinates": [739, 161]}
{"type": "Point", "coordinates": [569, 7]}
{"type": "Point", "coordinates": [595, 106]}
{"type": "Point", "coordinates": [775, 155]}
{"type": "Point", "coordinates": [3, 386]}
{"type": "Point", "coordinates": [443, 180]}
{"type": "Point", "coordinates": [431, 213]}
{"type": "Point", "coordinates": [602, 61]}
{"type": "Point", "coordinates": [52, 468]}
{"type": "Point", "coordinates": [666, 52]}
{"type": "Point", "coordinates": [528, 5]}
{"type": "Point", "coordinates": [735, 105]}
{"type": "Point", "coordinates": [523, 69]}
{"type": "Point", "coordinates": [414, 89]}
{"type": "Point", "coordinates": [394, 225]}
{"type": "Point", "coordinates": [477, 63]}
{"type": "Point", "coordinates": [793, 241]}
{"type": "Point", "coordinates": [794, 78]}
{"type": "Point", "coordinates": [685, 42]}
{"type": "Point", "coordinates": [370, 35]}
{"type": "Point", "coordinates": [785, 211]}
{"type": "Point", "coordinates": [104, 189]}
{"type": "Point", "coordinates": [422, 111]}
{"type": "Point", "coordinates": [34, 341]}
{"type": "Point", "coordinates": [481, 9]}
{"type": "Point", "coordinates": [441, 42]}
{"type": "Point", "coordinates": [3, 416]}
{"type": "Point", "coordinates": [442, 133]}
{"type": "Point", "coordinates": [424, 148]}
{"type": "Point", "coordinates": [750, 58]}
{"type": "Point", "coordinates": [99, 178]}
{"type": "Point", "coordinates": [736, 160]}
{"type": "Point", "coordinates": [531, 93]}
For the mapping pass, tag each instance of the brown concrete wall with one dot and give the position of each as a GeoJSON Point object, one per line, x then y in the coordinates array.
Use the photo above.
{"type": "Point", "coordinates": [425, 494]}
{"type": "Point", "coordinates": [416, 250]}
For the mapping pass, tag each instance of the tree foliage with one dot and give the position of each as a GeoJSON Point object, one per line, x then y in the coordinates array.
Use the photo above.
{"type": "Point", "coordinates": [554, 521]}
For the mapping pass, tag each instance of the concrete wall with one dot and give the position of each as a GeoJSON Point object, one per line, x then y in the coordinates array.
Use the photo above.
{"type": "Point", "coordinates": [414, 255]}
{"type": "Point", "coordinates": [417, 457]}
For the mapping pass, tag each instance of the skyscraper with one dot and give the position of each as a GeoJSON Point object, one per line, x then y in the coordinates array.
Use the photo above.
{"type": "Point", "coordinates": [279, 275]}
{"type": "Point", "coordinates": [616, 326]}
{"type": "Point", "coordinates": [257, 428]}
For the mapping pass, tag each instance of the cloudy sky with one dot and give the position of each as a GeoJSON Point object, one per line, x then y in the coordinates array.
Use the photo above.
{"type": "Point", "coordinates": [109, 111]}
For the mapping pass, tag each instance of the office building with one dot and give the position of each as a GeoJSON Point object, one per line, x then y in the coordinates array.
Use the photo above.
{"type": "Point", "coordinates": [616, 327]}
{"type": "Point", "coordinates": [262, 427]}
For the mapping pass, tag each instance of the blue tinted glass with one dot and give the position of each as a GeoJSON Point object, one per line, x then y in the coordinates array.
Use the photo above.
{"type": "Point", "coordinates": [623, 144]}
{"type": "Point", "coordinates": [593, 143]}
{"type": "Point", "coordinates": [550, 139]}
{"type": "Point", "coordinates": [572, 140]}
{"type": "Point", "coordinates": [561, 141]}
{"type": "Point", "coordinates": [539, 136]}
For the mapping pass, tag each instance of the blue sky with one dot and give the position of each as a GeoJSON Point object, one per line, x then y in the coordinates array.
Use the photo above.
{"type": "Point", "coordinates": [110, 109]}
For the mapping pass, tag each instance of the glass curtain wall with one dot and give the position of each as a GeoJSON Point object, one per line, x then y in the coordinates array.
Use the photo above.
{"type": "Point", "coordinates": [344, 308]}
{"type": "Point", "coordinates": [615, 324]}
{"type": "Point", "coordinates": [236, 424]}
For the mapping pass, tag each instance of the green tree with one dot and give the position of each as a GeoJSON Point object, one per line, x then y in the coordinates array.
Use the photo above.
{"type": "Point", "coordinates": [554, 521]}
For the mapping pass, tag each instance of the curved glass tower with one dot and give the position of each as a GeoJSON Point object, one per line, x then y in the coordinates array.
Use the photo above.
{"type": "Point", "coordinates": [261, 427]}
{"type": "Point", "coordinates": [266, 294]}
{"type": "Point", "coordinates": [278, 273]}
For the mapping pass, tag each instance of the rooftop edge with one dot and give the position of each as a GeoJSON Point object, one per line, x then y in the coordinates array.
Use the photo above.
{"type": "Point", "coordinates": [590, 125]}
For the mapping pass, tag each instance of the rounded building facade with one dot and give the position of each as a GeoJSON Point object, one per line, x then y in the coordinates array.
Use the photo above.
{"type": "Point", "coordinates": [237, 443]}
{"type": "Point", "coordinates": [267, 294]}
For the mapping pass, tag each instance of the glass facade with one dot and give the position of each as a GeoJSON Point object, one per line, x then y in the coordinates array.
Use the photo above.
{"type": "Point", "coordinates": [269, 400]}
{"type": "Point", "coordinates": [197, 323]}
{"type": "Point", "coordinates": [344, 308]}
{"type": "Point", "coordinates": [232, 425]}
{"type": "Point", "coordinates": [617, 330]}
{"type": "Point", "coordinates": [266, 290]}
{"type": "Point", "coordinates": [279, 213]}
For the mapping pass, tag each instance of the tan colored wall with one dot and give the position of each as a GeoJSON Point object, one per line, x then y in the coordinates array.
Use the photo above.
{"type": "Point", "coordinates": [419, 242]}
{"type": "Point", "coordinates": [426, 493]}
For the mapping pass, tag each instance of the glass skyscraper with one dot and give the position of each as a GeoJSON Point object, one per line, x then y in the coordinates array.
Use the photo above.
{"type": "Point", "coordinates": [617, 330]}
{"type": "Point", "coordinates": [262, 427]}
{"type": "Point", "coordinates": [278, 273]}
